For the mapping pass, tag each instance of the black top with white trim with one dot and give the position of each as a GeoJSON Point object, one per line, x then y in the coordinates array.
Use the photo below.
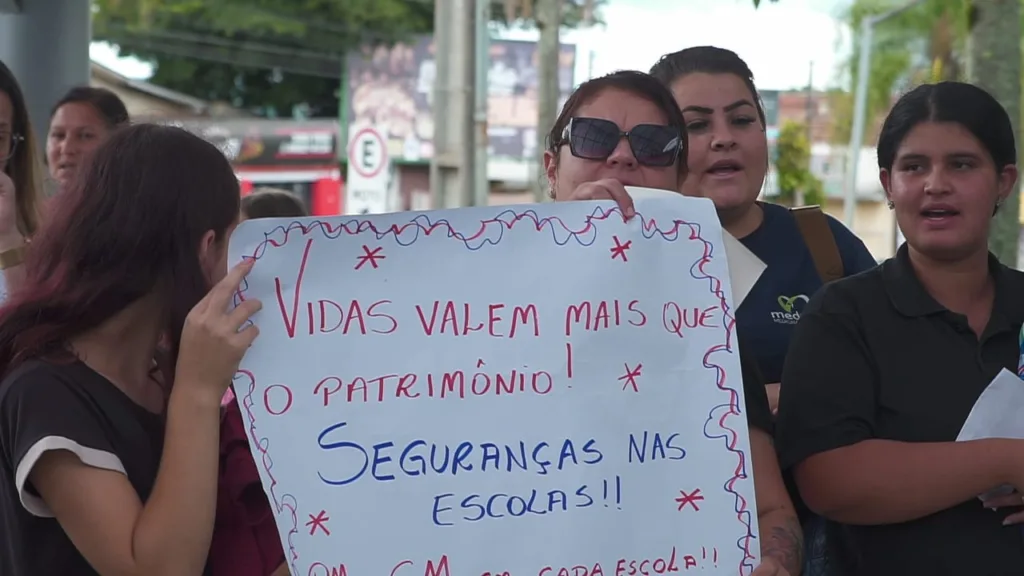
{"type": "Point", "coordinates": [48, 406]}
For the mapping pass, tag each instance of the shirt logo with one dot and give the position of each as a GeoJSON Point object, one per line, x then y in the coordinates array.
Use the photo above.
{"type": "Point", "coordinates": [790, 309]}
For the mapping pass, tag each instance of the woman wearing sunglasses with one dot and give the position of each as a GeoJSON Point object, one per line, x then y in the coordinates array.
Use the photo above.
{"type": "Point", "coordinates": [625, 129]}
{"type": "Point", "coordinates": [21, 178]}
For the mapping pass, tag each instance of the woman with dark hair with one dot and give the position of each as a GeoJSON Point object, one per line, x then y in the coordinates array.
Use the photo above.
{"type": "Point", "coordinates": [266, 202]}
{"type": "Point", "coordinates": [590, 158]}
{"type": "Point", "coordinates": [21, 180]}
{"type": "Point", "coordinates": [885, 366]}
{"type": "Point", "coordinates": [79, 122]}
{"type": "Point", "coordinates": [108, 447]}
{"type": "Point", "coordinates": [728, 161]}
{"type": "Point", "coordinates": [802, 248]}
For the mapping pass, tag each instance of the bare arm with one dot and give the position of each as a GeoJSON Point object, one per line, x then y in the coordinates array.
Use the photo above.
{"type": "Point", "coordinates": [885, 482]}
{"type": "Point", "coordinates": [773, 396]}
{"type": "Point", "coordinates": [14, 276]}
{"type": "Point", "coordinates": [101, 512]}
{"type": "Point", "coordinates": [781, 535]}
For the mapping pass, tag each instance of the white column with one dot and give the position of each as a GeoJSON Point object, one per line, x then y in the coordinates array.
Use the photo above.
{"type": "Point", "coordinates": [46, 44]}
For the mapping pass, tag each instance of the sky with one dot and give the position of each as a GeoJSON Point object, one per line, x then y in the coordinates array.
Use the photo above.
{"type": "Point", "coordinates": [780, 41]}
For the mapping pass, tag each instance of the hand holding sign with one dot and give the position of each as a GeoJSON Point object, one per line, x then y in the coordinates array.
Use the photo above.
{"type": "Point", "coordinates": [606, 189]}
{"type": "Point", "coordinates": [213, 339]}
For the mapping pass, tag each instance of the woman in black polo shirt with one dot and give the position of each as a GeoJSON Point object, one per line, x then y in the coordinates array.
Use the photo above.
{"type": "Point", "coordinates": [885, 366]}
{"type": "Point", "coordinates": [105, 467]}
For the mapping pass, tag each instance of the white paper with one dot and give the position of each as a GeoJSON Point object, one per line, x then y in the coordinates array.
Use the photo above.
{"type": "Point", "coordinates": [345, 455]}
{"type": "Point", "coordinates": [997, 414]}
{"type": "Point", "coordinates": [744, 266]}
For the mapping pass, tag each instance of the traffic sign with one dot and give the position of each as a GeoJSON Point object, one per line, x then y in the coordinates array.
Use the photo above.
{"type": "Point", "coordinates": [366, 187]}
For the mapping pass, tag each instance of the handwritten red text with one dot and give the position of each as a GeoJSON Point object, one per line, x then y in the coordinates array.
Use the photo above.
{"type": "Point", "coordinates": [667, 564]}
{"type": "Point", "coordinates": [603, 314]}
{"type": "Point", "coordinates": [496, 320]}
{"type": "Point", "coordinates": [326, 316]}
{"type": "Point", "coordinates": [677, 319]}
{"type": "Point", "coordinates": [283, 402]}
{"type": "Point", "coordinates": [453, 384]}
{"type": "Point", "coordinates": [408, 568]}
{"type": "Point", "coordinates": [321, 569]}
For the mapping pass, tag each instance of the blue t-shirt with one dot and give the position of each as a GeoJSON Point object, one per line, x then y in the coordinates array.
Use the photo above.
{"type": "Point", "coordinates": [771, 309]}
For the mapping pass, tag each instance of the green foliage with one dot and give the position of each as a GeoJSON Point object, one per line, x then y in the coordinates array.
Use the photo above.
{"type": "Point", "coordinates": [928, 43]}
{"type": "Point", "coordinates": [271, 57]}
{"type": "Point", "coordinates": [995, 61]}
{"type": "Point", "coordinates": [574, 12]}
{"type": "Point", "coordinates": [268, 56]}
{"type": "Point", "coordinates": [322, 26]}
{"type": "Point", "coordinates": [792, 166]}
{"type": "Point", "coordinates": [923, 44]}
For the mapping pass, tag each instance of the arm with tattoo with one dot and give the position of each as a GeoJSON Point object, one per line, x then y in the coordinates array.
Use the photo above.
{"type": "Point", "coordinates": [781, 535]}
{"type": "Point", "coordinates": [782, 539]}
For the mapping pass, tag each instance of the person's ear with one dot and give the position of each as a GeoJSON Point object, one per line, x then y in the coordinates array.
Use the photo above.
{"type": "Point", "coordinates": [885, 178]}
{"type": "Point", "coordinates": [209, 255]}
{"type": "Point", "coordinates": [551, 171]}
{"type": "Point", "coordinates": [1004, 187]}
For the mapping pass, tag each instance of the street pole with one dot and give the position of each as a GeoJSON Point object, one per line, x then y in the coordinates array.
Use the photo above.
{"type": "Point", "coordinates": [549, 19]}
{"type": "Point", "coordinates": [857, 130]}
{"type": "Point", "coordinates": [799, 198]}
{"type": "Point", "coordinates": [867, 26]}
{"type": "Point", "coordinates": [452, 178]}
{"type": "Point", "coordinates": [482, 185]}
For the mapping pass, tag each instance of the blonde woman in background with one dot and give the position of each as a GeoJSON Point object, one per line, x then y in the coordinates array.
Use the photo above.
{"type": "Point", "coordinates": [21, 180]}
{"type": "Point", "coordinates": [80, 121]}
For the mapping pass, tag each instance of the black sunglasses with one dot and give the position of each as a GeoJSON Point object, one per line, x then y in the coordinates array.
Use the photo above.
{"type": "Point", "coordinates": [596, 139]}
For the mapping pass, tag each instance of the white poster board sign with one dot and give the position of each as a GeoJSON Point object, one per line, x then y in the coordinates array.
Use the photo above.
{"type": "Point", "coordinates": [538, 390]}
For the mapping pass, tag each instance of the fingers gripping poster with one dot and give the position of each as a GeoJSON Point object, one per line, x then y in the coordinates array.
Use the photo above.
{"type": "Point", "coordinates": [540, 390]}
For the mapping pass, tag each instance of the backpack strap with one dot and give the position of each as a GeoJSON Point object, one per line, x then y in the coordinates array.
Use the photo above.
{"type": "Point", "coordinates": [813, 225]}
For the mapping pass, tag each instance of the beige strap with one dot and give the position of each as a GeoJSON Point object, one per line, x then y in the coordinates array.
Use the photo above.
{"type": "Point", "coordinates": [12, 257]}
{"type": "Point", "coordinates": [818, 237]}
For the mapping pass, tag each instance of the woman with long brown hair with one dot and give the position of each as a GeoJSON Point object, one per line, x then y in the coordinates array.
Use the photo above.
{"type": "Point", "coordinates": [108, 445]}
{"type": "Point", "coordinates": [21, 178]}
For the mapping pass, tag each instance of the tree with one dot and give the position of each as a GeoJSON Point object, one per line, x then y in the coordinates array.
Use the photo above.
{"type": "Point", "coordinates": [924, 44]}
{"type": "Point", "coordinates": [267, 56]}
{"type": "Point", "coordinates": [995, 64]}
{"type": "Point", "coordinates": [792, 166]}
{"type": "Point", "coordinates": [271, 57]}
{"type": "Point", "coordinates": [930, 43]}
